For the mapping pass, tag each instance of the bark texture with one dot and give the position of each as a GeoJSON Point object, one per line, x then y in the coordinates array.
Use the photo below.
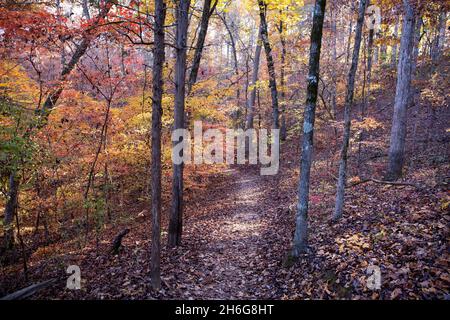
{"type": "Point", "coordinates": [283, 129]}
{"type": "Point", "coordinates": [252, 98]}
{"type": "Point", "coordinates": [206, 14]}
{"type": "Point", "coordinates": [157, 93]}
{"type": "Point", "coordinates": [301, 220]}
{"type": "Point", "coordinates": [402, 95]}
{"type": "Point", "coordinates": [270, 64]}
{"type": "Point", "coordinates": [347, 113]}
{"type": "Point", "coordinates": [176, 214]}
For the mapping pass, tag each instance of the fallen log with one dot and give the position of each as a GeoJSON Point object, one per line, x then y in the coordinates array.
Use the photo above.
{"type": "Point", "coordinates": [28, 291]}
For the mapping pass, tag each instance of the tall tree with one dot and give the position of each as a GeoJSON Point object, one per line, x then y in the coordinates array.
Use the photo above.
{"type": "Point", "coordinates": [366, 96]}
{"type": "Point", "coordinates": [252, 98]}
{"type": "Point", "coordinates": [347, 113]}
{"type": "Point", "coordinates": [394, 47]}
{"type": "Point", "coordinates": [334, 36]}
{"type": "Point", "coordinates": [206, 14]}
{"type": "Point", "coordinates": [176, 214]}
{"type": "Point", "coordinates": [270, 64]}
{"type": "Point", "coordinates": [231, 30]}
{"type": "Point", "coordinates": [439, 38]}
{"type": "Point", "coordinates": [402, 94]}
{"type": "Point", "coordinates": [282, 31]}
{"type": "Point", "coordinates": [157, 93]}
{"type": "Point", "coordinates": [301, 228]}
{"type": "Point", "coordinates": [350, 29]}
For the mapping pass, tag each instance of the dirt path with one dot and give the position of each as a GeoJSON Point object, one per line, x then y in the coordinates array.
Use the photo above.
{"type": "Point", "coordinates": [225, 247]}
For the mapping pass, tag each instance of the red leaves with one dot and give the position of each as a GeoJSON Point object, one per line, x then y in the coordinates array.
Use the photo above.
{"type": "Point", "coordinates": [24, 27]}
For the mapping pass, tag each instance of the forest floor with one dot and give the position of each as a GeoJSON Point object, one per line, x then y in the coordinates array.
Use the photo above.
{"type": "Point", "coordinates": [238, 228]}
{"type": "Point", "coordinates": [238, 231]}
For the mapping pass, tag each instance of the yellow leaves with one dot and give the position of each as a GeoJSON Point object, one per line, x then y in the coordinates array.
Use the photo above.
{"type": "Point", "coordinates": [367, 124]}
{"type": "Point", "coordinates": [16, 84]}
{"type": "Point", "coordinates": [445, 202]}
{"type": "Point", "coordinates": [354, 179]}
{"type": "Point", "coordinates": [285, 10]}
{"type": "Point", "coordinates": [140, 122]}
{"type": "Point", "coordinates": [207, 101]}
{"type": "Point", "coordinates": [356, 242]}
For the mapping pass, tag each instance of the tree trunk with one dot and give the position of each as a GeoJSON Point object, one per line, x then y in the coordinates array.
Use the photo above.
{"type": "Point", "coordinates": [439, 39]}
{"type": "Point", "coordinates": [157, 92]}
{"type": "Point", "coordinates": [350, 28]}
{"type": "Point", "coordinates": [366, 97]}
{"type": "Point", "coordinates": [10, 210]}
{"type": "Point", "coordinates": [300, 240]}
{"type": "Point", "coordinates": [402, 95]}
{"type": "Point", "coordinates": [270, 64]}
{"type": "Point", "coordinates": [442, 30]}
{"type": "Point", "coordinates": [415, 91]}
{"type": "Point", "coordinates": [283, 129]}
{"type": "Point", "coordinates": [252, 97]}
{"type": "Point", "coordinates": [394, 47]}
{"type": "Point", "coordinates": [236, 65]}
{"type": "Point", "coordinates": [383, 47]}
{"type": "Point", "coordinates": [176, 215]}
{"type": "Point", "coordinates": [347, 113]}
{"type": "Point", "coordinates": [334, 36]}
{"type": "Point", "coordinates": [416, 45]}
{"type": "Point", "coordinates": [206, 14]}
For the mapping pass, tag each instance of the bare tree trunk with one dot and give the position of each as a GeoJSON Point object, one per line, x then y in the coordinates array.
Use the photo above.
{"type": "Point", "coordinates": [252, 97]}
{"type": "Point", "coordinates": [300, 240]}
{"type": "Point", "coordinates": [439, 39]}
{"type": "Point", "coordinates": [334, 36]}
{"type": "Point", "coordinates": [347, 114]}
{"type": "Point", "coordinates": [383, 47]}
{"type": "Point", "coordinates": [206, 14]}
{"type": "Point", "coordinates": [442, 30]}
{"type": "Point", "coordinates": [366, 97]}
{"type": "Point", "coordinates": [157, 92]}
{"type": "Point", "coordinates": [176, 215]}
{"type": "Point", "coordinates": [402, 95]}
{"type": "Point", "coordinates": [416, 45]}
{"type": "Point", "coordinates": [415, 91]}
{"type": "Point", "coordinates": [283, 129]}
{"type": "Point", "coordinates": [236, 63]}
{"type": "Point", "coordinates": [270, 64]}
{"type": "Point", "coordinates": [394, 47]}
{"type": "Point", "coordinates": [10, 210]}
{"type": "Point", "coordinates": [350, 28]}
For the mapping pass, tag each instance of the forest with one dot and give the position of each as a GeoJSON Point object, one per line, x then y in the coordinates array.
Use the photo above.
{"type": "Point", "coordinates": [224, 150]}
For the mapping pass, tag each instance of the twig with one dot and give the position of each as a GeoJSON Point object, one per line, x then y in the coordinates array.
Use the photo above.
{"type": "Point", "coordinates": [392, 183]}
